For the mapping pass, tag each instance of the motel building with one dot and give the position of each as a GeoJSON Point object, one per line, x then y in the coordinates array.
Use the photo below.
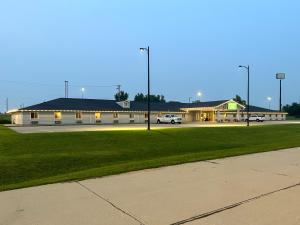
{"type": "Point", "coordinates": [65, 111]}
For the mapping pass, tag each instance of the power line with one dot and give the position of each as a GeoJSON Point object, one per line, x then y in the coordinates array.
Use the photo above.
{"type": "Point", "coordinates": [58, 85]}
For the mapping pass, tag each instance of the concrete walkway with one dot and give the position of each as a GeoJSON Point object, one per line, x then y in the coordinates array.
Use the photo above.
{"type": "Point", "coordinates": [255, 189]}
{"type": "Point", "coordinates": [115, 127]}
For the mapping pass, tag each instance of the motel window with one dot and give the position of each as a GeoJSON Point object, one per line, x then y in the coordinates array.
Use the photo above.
{"type": "Point", "coordinates": [57, 115]}
{"type": "Point", "coordinates": [97, 116]}
{"type": "Point", "coordinates": [115, 115]}
{"type": "Point", "coordinates": [34, 115]}
{"type": "Point", "coordinates": [78, 115]}
{"type": "Point", "coordinates": [183, 115]}
{"type": "Point", "coordinates": [131, 115]}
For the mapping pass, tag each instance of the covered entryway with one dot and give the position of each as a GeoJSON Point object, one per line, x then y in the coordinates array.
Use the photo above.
{"type": "Point", "coordinates": [203, 116]}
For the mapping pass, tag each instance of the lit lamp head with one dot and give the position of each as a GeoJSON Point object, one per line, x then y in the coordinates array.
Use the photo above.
{"type": "Point", "coordinates": [143, 50]}
{"type": "Point", "coordinates": [82, 89]}
{"type": "Point", "coordinates": [199, 94]}
{"type": "Point", "coordinates": [269, 99]}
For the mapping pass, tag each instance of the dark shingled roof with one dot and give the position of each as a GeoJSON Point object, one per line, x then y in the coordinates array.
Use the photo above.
{"type": "Point", "coordinates": [111, 105]}
{"type": "Point", "coordinates": [253, 108]}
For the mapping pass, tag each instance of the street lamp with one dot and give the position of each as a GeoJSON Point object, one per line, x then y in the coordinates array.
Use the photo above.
{"type": "Point", "coordinates": [190, 99]}
{"type": "Point", "coordinates": [248, 92]}
{"type": "Point", "coordinates": [199, 94]}
{"type": "Point", "coordinates": [148, 99]}
{"type": "Point", "coordinates": [280, 76]}
{"type": "Point", "coordinates": [269, 99]}
{"type": "Point", "coordinates": [82, 92]}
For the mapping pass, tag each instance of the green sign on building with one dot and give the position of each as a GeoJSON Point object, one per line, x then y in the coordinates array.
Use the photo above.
{"type": "Point", "coordinates": [232, 106]}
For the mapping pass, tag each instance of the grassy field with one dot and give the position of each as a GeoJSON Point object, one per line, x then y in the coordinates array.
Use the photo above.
{"type": "Point", "coordinates": [33, 159]}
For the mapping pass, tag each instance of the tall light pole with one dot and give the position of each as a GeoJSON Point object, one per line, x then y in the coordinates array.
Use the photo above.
{"type": "Point", "coordinates": [269, 99]}
{"type": "Point", "coordinates": [199, 94]}
{"type": "Point", "coordinates": [190, 99]}
{"type": "Point", "coordinates": [280, 77]}
{"type": "Point", "coordinates": [148, 99]}
{"type": "Point", "coordinates": [248, 92]}
{"type": "Point", "coordinates": [82, 92]}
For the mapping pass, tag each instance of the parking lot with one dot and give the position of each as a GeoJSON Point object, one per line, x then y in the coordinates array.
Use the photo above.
{"type": "Point", "coordinates": [81, 128]}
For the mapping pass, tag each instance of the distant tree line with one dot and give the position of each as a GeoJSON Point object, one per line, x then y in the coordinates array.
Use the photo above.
{"type": "Point", "coordinates": [121, 96]}
{"type": "Point", "coordinates": [4, 118]}
{"type": "Point", "coordinates": [293, 109]}
{"type": "Point", "coordinates": [139, 97]}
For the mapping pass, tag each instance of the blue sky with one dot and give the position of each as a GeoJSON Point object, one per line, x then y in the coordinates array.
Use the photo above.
{"type": "Point", "coordinates": [195, 46]}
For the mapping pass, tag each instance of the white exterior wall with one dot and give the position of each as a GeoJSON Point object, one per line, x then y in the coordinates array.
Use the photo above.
{"type": "Point", "coordinates": [88, 118]}
{"type": "Point", "coordinates": [44, 118]}
{"type": "Point", "coordinates": [67, 118]}
{"type": "Point", "coordinates": [17, 118]}
{"type": "Point", "coordinates": [47, 118]}
{"type": "Point", "coordinates": [267, 117]}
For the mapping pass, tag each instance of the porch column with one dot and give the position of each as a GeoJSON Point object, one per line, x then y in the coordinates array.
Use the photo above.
{"type": "Point", "coordinates": [238, 115]}
{"type": "Point", "coordinates": [218, 116]}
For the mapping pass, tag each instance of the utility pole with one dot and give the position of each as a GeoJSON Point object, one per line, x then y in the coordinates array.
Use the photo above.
{"type": "Point", "coordinates": [119, 91]}
{"type": "Point", "coordinates": [66, 89]}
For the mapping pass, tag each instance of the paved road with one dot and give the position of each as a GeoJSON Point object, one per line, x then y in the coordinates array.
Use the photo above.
{"type": "Point", "coordinates": [78, 128]}
{"type": "Point", "coordinates": [260, 189]}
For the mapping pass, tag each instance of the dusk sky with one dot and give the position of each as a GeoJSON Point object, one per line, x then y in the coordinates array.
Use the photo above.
{"type": "Point", "coordinates": [195, 46]}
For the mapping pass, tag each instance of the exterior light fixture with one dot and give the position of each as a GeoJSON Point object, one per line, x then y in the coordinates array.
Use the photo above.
{"type": "Point", "coordinates": [82, 92]}
{"type": "Point", "coordinates": [269, 99]}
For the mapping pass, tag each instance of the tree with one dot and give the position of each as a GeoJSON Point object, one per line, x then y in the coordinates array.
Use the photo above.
{"type": "Point", "coordinates": [122, 96]}
{"type": "Point", "coordinates": [240, 100]}
{"type": "Point", "coordinates": [196, 101]}
{"type": "Point", "coordinates": [292, 110]}
{"type": "Point", "coordinates": [140, 97]}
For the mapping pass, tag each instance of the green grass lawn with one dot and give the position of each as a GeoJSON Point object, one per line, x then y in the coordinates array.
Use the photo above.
{"type": "Point", "coordinates": [33, 159]}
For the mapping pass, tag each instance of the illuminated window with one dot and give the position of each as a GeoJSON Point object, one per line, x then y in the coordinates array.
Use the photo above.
{"type": "Point", "coordinates": [78, 115]}
{"type": "Point", "coordinates": [131, 115]}
{"type": "Point", "coordinates": [115, 115]}
{"type": "Point", "coordinates": [57, 115]}
{"type": "Point", "coordinates": [97, 116]}
{"type": "Point", "coordinates": [34, 115]}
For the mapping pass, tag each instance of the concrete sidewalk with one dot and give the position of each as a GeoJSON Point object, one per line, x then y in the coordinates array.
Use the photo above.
{"type": "Point", "coordinates": [253, 189]}
{"type": "Point", "coordinates": [116, 127]}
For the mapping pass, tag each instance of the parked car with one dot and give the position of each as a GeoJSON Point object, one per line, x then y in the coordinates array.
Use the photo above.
{"type": "Point", "coordinates": [169, 119]}
{"type": "Point", "coordinates": [257, 118]}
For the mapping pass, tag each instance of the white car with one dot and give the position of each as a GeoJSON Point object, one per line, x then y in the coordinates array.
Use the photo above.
{"type": "Point", "coordinates": [257, 118]}
{"type": "Point", "coordinates": [169, 119]}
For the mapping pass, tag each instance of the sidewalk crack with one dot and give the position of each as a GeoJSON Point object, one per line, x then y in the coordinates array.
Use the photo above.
{"type": "Point", "coordinates": [210, 213]}
{"type": "Point", "coordinates": [109, 202]}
